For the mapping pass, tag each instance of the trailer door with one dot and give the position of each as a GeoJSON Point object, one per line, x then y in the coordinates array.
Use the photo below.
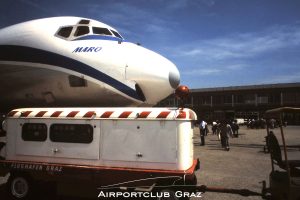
{"type": "Point", "coordinates": [147, 141]}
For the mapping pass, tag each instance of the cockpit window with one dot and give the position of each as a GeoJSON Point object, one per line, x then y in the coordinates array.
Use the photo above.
{"type": "Point", "coordinates": [101, 31]}
{"type": "Point", "coordinates": [81, 30]}
{"type": "Point", "coordinates": [65, 31]}
{"type": "Point", "coordinates": [84, 21]}
{"type": "Point", "coordinates": [84, 28]}
{"type": "Point", "coordinates": [116, 34]}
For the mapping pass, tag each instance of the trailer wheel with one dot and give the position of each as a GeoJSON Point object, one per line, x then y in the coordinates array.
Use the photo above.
{"type": "Point", "coordinates": [19, 187]}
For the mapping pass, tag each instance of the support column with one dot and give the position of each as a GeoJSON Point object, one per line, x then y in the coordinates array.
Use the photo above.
{"type": "Point", "coordinates": [255, 99]}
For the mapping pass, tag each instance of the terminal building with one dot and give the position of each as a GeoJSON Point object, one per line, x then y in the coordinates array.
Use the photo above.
{"type": "Point", "coordinates": [246, 102]}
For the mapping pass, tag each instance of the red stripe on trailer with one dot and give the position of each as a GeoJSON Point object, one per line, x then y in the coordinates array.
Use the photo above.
{"type": "Point", "coordinates": [40, 114]}
{"type": "Point", "coordinates": [163, 114]}
{"type": "Point", "coordinates": [11, 114]}
{"type": "Point", "coordinates": [106, 114]}
{"type": "Point", "coordinates": [125, 114]}
{"type": "Point", "coordinates": [144, 114]}
{"type": "Point", "coordinates": [72, 114]}
{"type": "Point", "coordinates": [181, 115]}
{"type": "Point", "coordinates": [25, 114]}
{"type": "Point", "coordinates": [56, 114]}
{"type": "Point", "coordinates": [89, 114]}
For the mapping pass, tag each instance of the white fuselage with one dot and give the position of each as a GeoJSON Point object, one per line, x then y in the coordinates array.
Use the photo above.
{"type": "Point", "coordinates": [68, 61]}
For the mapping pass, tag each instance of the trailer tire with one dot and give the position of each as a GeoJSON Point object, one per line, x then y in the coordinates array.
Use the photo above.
{"type": "Point", "coordinates": [19, 186]}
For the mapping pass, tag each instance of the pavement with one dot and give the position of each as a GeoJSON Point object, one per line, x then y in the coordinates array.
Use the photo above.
{"type": "Point", "coordinates": [244, 167]}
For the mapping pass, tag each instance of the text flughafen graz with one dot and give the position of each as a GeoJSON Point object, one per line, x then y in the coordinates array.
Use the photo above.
{"type": "Point", "coordinates": [36, 167]}
{"type": "Point", "coordinates": [104, 194]}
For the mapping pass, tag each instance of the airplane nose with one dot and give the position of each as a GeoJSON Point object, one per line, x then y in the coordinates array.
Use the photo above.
{"type": "Point", "coordinates": [156, 76]}
{"type": "Point", "coordinates": [174, 78]}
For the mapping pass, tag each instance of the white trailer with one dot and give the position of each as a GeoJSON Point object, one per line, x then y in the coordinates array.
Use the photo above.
{"type": "Point", "coordinates": [105, 148]}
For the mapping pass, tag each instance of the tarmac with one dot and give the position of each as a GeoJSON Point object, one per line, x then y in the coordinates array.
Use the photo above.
{"type": "Point", "coordinates": [243, 167]}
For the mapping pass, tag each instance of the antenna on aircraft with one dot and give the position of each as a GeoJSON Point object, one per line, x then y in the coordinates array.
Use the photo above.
{"type": "Point", "coordinates": [182, 92]}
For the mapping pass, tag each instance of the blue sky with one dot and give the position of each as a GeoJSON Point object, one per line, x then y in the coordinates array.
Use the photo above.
{"type": "Point", "coordinates": [214, 43]}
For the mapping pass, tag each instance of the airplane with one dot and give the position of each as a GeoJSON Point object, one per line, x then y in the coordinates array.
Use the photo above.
{"type": "Point", "coordinates": [72, 61]}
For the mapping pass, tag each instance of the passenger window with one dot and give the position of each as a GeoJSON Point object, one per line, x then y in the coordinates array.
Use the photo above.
{"type": "Point", "coordinates": [82, 30]}
{"type": "Point", "coordinates": [116, 34]}
{"type": "Point", "coordinates": [65, 31]}
{"type": "Point", "coordinates": [101, 31]}
{"type": "Point", "coordinates": [34, 132]}
{"type": "Point", "coordinates": [71, 133]}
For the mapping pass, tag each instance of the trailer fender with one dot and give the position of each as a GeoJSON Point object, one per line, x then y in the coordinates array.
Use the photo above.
{"type": "Point", "coordinates": [20, 186]}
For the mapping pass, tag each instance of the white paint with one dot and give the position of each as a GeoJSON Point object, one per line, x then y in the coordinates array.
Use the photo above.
{"type": "Point", "coordinates": [149, 143]}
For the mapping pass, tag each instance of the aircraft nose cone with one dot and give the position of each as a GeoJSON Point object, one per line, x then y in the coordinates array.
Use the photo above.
{"type": "Point", "coordinates": [174, 78]}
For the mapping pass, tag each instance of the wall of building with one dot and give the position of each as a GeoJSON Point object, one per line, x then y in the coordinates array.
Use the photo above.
{"type": "Point", "coordinates": [248, 102]}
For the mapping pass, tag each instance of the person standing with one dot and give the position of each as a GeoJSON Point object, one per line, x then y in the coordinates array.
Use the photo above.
{"type": "Point", "coordinates": [235, 128]}
{"type": "Point", "coordinates": [203, 128]}
{"type": "Point", "coordinates": [214, 128]}
{"type": "Point", "coordinates": [225, 132]}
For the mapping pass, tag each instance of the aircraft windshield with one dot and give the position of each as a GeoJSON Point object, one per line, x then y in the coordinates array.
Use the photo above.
{"type": "Point", "coordinates": [84, 28]}
{"type": "Point", "coordinates": [84, 21]}
{"type": "Point", "coordinates": [81, 30]}
{"type": "Point", "coordinates": [116, 34]}
{"type": "Point", "coordinates": [65, 31]}
{"type": "Point", "coordinates": [101, 31]}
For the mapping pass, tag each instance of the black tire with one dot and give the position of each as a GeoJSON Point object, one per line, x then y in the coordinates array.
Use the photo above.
{"type": "Point", "coordinates": [19, 187]}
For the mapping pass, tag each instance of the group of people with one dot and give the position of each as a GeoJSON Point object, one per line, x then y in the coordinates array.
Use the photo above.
{"type": "Point", "coordinates": [223, 129]}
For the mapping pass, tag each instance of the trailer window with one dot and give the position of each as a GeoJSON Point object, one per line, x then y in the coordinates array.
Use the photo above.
{"type": "Point", "coordinates": [71, 133]}
{"type": "Point", "coordinates": [34, 132]}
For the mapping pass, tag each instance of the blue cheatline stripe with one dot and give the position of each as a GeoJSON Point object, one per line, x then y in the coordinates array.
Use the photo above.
{"type": "Point", "coordinates": [99, 37]}
{"type": "Point", "coordinates": [28, 54]}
